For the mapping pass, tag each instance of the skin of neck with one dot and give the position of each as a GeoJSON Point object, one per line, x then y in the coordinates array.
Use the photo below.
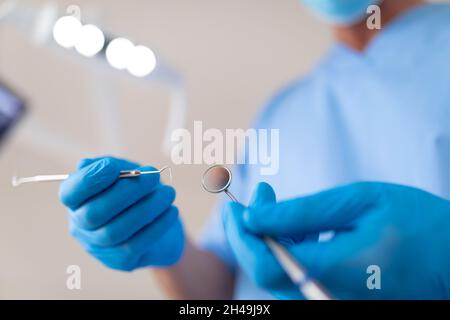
{"type": "Point", "coordinates": [358, 36]}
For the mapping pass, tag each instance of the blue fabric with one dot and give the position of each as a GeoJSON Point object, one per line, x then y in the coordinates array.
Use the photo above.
{"type": "Point", "coordinates": [340, 11]}
{"type": "Point", "coordinates": [382, 115]}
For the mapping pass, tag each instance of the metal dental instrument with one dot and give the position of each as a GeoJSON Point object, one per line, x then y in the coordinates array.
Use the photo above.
{"type": "Point", "coordinates": [60, 177]}
{"type": "Point", "coordinates": [217, 179]}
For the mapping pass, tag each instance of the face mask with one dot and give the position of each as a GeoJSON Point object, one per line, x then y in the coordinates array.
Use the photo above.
{"type": "Point", "coordinates": [344, 12]}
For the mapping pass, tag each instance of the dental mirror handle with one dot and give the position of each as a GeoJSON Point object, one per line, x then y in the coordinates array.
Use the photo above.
{"type": "Point", "coordinates": [231, 196]}
{"type": "Point", "coordinates": [309, 288]}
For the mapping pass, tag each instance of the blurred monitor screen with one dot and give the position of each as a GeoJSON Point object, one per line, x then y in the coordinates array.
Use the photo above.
{"type": "Point", "coordinates": [11, 109]}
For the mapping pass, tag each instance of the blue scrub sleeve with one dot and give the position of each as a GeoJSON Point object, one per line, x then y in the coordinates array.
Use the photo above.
{"type": "Point", "coordinates": [213, 238]}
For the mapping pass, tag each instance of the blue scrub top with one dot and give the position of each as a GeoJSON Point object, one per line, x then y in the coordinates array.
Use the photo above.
{"type": "Point", "coordinates": [381, 115]}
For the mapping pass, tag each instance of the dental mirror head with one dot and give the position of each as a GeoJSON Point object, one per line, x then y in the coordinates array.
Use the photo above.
{"type": "Point", "coordinates": [217, 179]}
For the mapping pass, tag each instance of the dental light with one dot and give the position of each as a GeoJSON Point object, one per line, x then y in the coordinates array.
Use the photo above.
{"type": "Point", "coordinates": [50, 29]}
{"type": "Point", "coordinates": [89, 40]}
{"type": "Point", "coordinates": [118, 53]}
{"type": "Point", "coordinates": [66, 31]}
{"type": "Point", "coordinates": [122, 54]}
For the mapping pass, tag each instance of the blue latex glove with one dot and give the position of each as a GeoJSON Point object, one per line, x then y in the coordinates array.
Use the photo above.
{"type": "Point", "coordinates": [404, 231]}
{"type": "Point", "coordinates": [124, 223]}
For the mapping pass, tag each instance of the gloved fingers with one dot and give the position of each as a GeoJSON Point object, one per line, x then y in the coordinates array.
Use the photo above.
{"type": "Point", "coordinates": [328, 210]}
{"type": "Point", "coordinates": [263, 195]}
{"type": "Point", "coordinates": [147, 236]}
{"type": "Point", "coordinates": [88, 161]}
{"type": "Point", "coordinates": [252, 253]}
{"type": "Point", "coordinates": [130, 221]}
{"type": "Point", "coordinates": [112, 259]}
{"type": "Point", "coordinates": [126, 255]}
{"type": "Point", "coordinates": [91, 180]}
{"type": "Point", "coordinates": [173, 249]}
{"type": "Point", "coordinates": [152, 257]}
{"type": "Point", "coordinates": [101, 208]}
{"type": "Point", "coordinates": [320, 258]}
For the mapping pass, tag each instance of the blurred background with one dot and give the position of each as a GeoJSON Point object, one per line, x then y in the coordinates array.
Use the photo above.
{"type": "Point", "coordinates": [227, 57]}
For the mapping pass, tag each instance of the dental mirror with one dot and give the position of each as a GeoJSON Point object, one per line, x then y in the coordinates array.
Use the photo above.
{"type": "Point", "coordinates": [217, 179]}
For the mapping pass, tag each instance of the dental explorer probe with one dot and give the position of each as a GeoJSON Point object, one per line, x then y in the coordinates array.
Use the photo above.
{"type": "Point", "coordinates": [61, 177]}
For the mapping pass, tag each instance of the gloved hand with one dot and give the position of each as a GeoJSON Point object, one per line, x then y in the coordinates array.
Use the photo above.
{"type": "Point", "coordinates": [403, 231]}
{"type": "Point", "coordinates": [124, 223]}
